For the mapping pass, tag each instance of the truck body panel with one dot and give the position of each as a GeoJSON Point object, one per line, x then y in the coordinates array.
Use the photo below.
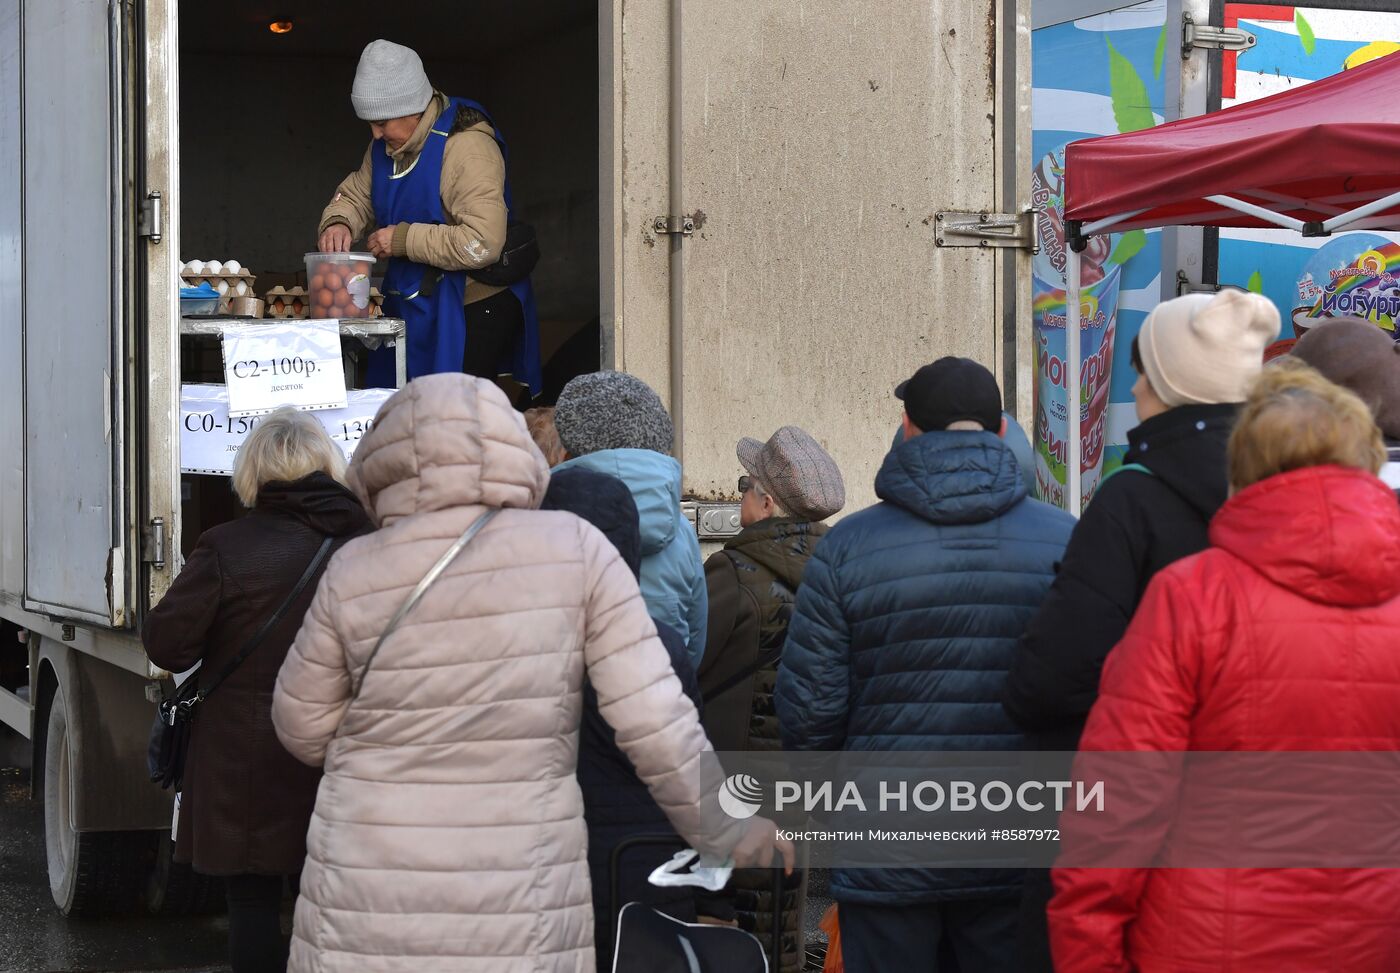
{"type": "Point", "coordinates": [815, 154]}
{"type": "Point", "coordinates": [817, 151]}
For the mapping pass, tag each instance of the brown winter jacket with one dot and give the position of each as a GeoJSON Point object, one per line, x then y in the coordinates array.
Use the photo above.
{"type": "Point", "coordinates": [752, 586]}
{"type": "Point", "coordinates": [449, 830]}
{"type": "Point", "coordinates": [473, 201]}
{"type": "Point", "coordinates": [247, 802]}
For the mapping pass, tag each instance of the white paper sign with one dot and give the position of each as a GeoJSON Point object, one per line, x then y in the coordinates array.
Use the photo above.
{"type": "Point", "coordinates": [210, 438]}
{"type": "Point", "coordinates": [296, 363]}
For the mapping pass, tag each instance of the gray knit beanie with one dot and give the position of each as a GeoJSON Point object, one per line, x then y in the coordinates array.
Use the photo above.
{"type": "Point", "coordinates": [389, 83]}
{"type": "Point", "coordinates": [612, 410]}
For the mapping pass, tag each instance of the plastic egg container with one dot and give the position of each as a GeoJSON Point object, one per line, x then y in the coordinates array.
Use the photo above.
{"type": "Point", "coordinates": [339, 284]}
{"type": "Point", "coordinates": [228, 277]}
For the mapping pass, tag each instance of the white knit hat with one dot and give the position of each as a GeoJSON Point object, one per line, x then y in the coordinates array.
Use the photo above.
{"type": "Point", "coordinates": [1204, 349]}
{"type": "Point", "coordinates": [389, 83]}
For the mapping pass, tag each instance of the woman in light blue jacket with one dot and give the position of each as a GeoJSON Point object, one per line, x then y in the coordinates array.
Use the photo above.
{"type": "Point", "coordinates": [614, 423]}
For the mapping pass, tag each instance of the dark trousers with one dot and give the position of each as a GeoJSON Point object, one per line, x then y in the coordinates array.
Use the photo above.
{"type": "Point", "coordinates": [255, 940]}
{"type": "Point", "coordinates": [978, 935]}
{"type": "Point", "coordinates": [492, 326]}
{"type": "Point", "coordinates": [1033, 936]}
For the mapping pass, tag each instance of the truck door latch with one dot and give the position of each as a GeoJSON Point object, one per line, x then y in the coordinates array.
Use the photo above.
{"type": "Point", "coordinates": [153, 544]}
{"type": "Point", "coordinates": [1205, 37]}
{"type": "Point", "coordinates": [1004, 230]}
{"type": "Point", "coordinates": [148, 221]}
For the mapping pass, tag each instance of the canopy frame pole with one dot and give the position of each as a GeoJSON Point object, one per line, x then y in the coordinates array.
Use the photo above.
{"type": "Point", "coordinates": [1072, 324]}
{"type": "Point", "coordinates": [1099, 226]}
{"type": "Point", "coordinates": [1361, 212]}
{"type": "Point", "coordinates": [1294, 202]}
{"type": "Point", "coordinates": [1259, 212]}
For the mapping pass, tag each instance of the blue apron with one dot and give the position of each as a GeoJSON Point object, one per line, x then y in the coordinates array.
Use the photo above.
{"type": "Point", "coordinates": [429, 299]}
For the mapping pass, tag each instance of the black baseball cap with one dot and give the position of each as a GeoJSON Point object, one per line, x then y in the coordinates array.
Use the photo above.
{"type": "Point", "coordinates": [950, 390]}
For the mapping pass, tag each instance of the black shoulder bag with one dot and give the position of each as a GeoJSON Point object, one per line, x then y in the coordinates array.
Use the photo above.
{"type": "Point", "coordinates": [519, 255]}
{"type": "Point", "coordinates": [170, 736]}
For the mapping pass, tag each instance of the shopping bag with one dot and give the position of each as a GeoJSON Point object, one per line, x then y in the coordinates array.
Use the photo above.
{"type": "Point", "coordinates": [832, 927]}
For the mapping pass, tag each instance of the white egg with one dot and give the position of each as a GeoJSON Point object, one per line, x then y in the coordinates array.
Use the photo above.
{"type": "Point", "coordinates": [221, 287]}
{"type": "Point", "coordinates": [213, 267]}
{"type": "Point", "coordinates": [232, 267]}
{"type": "Point", "coordinates": [194, 267]}
{"type": "Point", "coordinates": [240, 289]}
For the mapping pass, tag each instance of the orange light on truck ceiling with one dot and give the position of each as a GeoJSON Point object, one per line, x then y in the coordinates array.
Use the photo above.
{"type": "Point", "coordinates": [280, 26]}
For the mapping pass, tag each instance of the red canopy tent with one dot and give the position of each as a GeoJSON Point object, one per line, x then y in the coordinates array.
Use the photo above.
{"type": "Point", "coordinates": [1320, 158]}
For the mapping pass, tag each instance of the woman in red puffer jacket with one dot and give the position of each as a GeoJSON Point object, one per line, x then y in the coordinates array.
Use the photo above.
{"type": "Point", "coordinates": [1284, 635]}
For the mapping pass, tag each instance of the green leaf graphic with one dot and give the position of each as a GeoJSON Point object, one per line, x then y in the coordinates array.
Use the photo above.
{"type": "Point", "coordinates": [1256, 283]}
{"type": "Point", "coordinates": [1130, 102]}
{"type": "Point", "coordinates": [1305, 32]}
{"type": "Point", "coordinates": [1128, 246]}
{"type": "Point", "coordinates": [1161, 53]}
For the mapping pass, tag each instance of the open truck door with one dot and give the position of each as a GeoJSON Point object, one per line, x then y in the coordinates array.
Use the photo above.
{"type": "Point", "coordinates": [74, 273]}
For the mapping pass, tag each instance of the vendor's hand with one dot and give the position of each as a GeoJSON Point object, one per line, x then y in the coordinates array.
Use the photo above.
{"type": "Point", "coordinates": [755, 849]}
{"type": "Point", "coordinates": [381, 242]}
{"type": "Point", "coordinates": [335, 239]}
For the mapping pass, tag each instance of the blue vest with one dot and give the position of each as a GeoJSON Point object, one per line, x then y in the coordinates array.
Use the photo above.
{"type": "Point", "coordinates": [427, 298]}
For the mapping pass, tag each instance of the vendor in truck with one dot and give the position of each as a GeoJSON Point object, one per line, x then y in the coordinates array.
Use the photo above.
{"type": "Point", "coordinates": [433, 182]}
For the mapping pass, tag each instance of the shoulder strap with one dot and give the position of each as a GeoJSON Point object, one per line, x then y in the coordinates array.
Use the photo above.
{"type": "Point", "coordinates": [764, 660]}
{"type": "Point", "coordinates": [1130, 467]}
{"type": "Point", "coordinates": [434, 572]}
{"type": "Point", "coordinates": [267, 626]}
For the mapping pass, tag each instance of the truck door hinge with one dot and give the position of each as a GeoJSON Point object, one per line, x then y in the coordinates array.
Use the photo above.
{"type": "Point", "coordinates": [148, 221]}
{"type": "Point", "coordinates": [1204, 37]}
{"type": "Point", "coordinates": [1013, 230]}
{"type": "Point", "coordinates": [153, 544]}
{"type": "Point", "coordinates": [666, 225]}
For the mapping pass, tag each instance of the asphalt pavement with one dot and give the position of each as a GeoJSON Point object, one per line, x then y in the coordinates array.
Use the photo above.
{"type": "Point", "coordinates": [35, 937]}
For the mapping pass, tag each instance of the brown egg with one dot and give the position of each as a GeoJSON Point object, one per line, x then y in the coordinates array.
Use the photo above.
{"type": "Point", "coordinates": [362, 268]}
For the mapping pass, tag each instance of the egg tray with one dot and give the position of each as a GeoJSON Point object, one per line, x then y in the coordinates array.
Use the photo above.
{"type": "Point", "coordinates": [295, 304]}
{"type": "Point", "coordinates": [194, 280]}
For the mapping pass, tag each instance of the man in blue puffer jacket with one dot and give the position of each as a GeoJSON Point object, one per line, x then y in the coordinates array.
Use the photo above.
{"type": "Point", "coordinates": [614, 423]}
{"type": "Point", "coordinates": [905, 625]}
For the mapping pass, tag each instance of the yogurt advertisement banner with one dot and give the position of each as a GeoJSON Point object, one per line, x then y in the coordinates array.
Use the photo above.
{"type": "Point", "coordinates": [1351, 274]}
{"type": "Point", "coordinates": [1098, 75]}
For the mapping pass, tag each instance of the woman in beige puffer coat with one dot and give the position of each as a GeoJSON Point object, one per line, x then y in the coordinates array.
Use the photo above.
{"type": "Point", "coordinates": [448, 832]}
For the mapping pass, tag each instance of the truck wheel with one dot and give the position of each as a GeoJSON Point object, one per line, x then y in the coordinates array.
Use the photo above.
{"type": "Point", "coordinates": [178, 890]}
{"type": "Point", "coordinates": [90, 872]}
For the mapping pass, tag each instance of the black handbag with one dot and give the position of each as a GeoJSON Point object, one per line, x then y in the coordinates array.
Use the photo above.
{"type": "Point", "coordinates": [170, 734]}
{"type": "Point", "coordinates": [518, 258]}
{"type": "Point", "coordinates": [646, 940]}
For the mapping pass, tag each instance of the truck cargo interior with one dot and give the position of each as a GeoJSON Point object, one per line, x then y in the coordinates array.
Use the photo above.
{"type": "Point", "coordinates": [267, 132]}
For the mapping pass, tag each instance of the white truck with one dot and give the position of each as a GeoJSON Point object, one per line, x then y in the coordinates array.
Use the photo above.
{"type": "Point", "coordinates": [778, 209]}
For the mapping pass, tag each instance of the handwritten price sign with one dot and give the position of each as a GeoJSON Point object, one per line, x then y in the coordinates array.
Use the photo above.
{"type": "Point", "coordinates": [296, 363]}
{"type": "Point", "coordinates": [210, 438]}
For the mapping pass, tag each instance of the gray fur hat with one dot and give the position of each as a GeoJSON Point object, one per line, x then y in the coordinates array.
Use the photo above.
{"type": "Point", "coordinates": [612, 410]}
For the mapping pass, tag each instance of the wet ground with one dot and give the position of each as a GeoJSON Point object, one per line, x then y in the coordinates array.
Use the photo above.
{"type": "Point", "coordinates": [35, 937]}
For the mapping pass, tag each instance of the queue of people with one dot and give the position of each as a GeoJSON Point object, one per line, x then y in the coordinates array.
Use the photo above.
{"type": "Point", "coordinates": [454, 772]}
